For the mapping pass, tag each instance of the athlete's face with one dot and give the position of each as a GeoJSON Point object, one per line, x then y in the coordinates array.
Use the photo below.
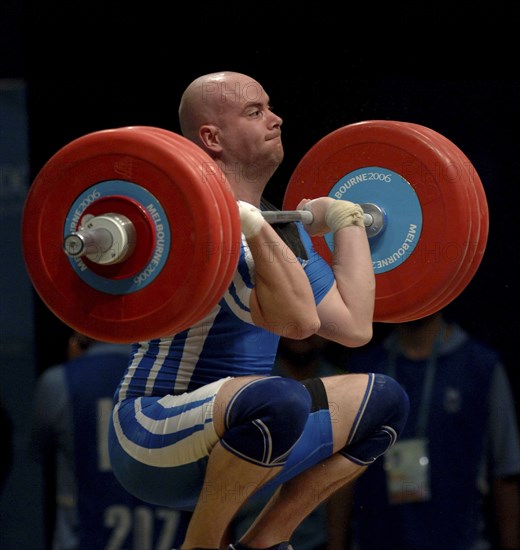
{"type": "Point", "coordinates": [249, 131]}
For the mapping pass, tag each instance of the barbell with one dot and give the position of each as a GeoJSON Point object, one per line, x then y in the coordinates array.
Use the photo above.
{"type": "Point", "coordinates": [133, 233]}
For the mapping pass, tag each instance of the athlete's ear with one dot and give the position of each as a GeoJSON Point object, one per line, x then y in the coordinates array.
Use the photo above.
{"type": "Point", "coordinates": [210, 136]}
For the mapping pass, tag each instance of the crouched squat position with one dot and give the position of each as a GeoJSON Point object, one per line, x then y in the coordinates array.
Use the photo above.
{"type": "Point", "coordinates": [199, 423]}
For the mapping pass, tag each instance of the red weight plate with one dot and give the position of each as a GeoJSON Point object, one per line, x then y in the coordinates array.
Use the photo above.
{"type": "Point", "coordinates": [445, 255]}
{"type": "Point", "coordinates": [225, 203]}
{"type": "Point", "coordinates": [458, 174]}
{"type": "Point", "coordinates": [231, 227]}
{"type": "Point", "coordinates": [405, 151]}
{"type": "Point", "coordinates": [465, 173]}
{"type": "Point", "coordinates": [479, 244]}
{"type": "Point", "coordinates": [205, 296]}
{"type": "Point", "coordinates": [119, 154]}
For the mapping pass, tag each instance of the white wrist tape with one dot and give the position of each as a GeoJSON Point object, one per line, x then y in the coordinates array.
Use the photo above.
{"type": "Point", "coordinates": [251, 219]}
{"type": "Point", "coordinates": [342, 214]}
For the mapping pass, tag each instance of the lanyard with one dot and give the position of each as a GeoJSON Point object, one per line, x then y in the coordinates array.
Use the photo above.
{"type": "Point", "coordinates": [427, 390]}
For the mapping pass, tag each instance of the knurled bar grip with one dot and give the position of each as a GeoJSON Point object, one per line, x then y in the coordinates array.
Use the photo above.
{"type": "Point", "coordinates": [284, 216]}
{"type": "Point", "coordinates": [304, 216]}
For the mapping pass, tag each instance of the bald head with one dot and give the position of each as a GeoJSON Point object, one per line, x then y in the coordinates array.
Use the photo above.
{"type": "Point", "coordinates": [227, 114]}
{"type": "Point", "coordinates": [208, 95]}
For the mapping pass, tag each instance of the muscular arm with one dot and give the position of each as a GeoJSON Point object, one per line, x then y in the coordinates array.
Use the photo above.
{"type": "Point", "coordinates": [282, 300]}
{"type": "Point", "coordinates": [346, 312]}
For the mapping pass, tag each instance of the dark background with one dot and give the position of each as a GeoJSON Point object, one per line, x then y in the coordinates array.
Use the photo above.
{"type": "Point", "coordinates": [92, 65]}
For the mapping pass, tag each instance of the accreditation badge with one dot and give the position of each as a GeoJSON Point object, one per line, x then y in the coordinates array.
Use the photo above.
{"type": "Point", "coordinates": [407, 467]}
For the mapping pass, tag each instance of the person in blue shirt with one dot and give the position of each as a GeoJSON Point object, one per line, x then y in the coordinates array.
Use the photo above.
{"type": "Point", "coordinates": [72, 405]}
{"type": "Point", "coordinates": [199, 423]}
{"type": "Point", "coordinates": [451, 482]}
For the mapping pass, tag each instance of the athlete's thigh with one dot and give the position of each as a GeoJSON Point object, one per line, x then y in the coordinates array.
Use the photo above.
{"type": "Point", "coordinates": [159, 446]}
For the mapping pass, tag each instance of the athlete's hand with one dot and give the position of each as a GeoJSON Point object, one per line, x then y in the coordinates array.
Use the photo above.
{"type": "Point", "coordinates": [319, 208]}
{"type": "Point", "coordinates": [331, 215]}
{"type": "Point", "coordinates": [251, 219]}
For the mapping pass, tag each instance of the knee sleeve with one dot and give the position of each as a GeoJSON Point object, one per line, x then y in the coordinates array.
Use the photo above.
{"type": "Point", "coordinates": [265, 419]}
{"type": "Point", "coordinates": [379, 422]}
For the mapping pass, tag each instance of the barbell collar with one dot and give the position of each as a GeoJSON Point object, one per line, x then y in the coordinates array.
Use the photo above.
{"type": "Point", "coordinates": [83, 243]}
{"type": "Point", "coordinates": [107, 239]}
{"type": "Point", "coordinates": [375, 219]}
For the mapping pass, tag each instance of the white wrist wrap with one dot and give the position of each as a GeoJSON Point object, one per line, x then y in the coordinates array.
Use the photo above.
{"type": "Point", "coordinates": [342, 214]}
{"type": "Point", "coordinates": [251, 219]}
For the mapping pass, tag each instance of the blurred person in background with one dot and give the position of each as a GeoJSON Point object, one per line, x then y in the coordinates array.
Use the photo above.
{"type": "Point", "coordinates": [452, 481]}
{"type": "Point", "coordinates": [88, 507]}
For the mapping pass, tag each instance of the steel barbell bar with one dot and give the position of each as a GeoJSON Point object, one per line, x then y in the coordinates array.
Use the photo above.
{"type": "Point", "coordinates": [110, 238]}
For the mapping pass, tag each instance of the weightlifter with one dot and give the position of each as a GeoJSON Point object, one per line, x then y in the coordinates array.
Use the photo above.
{"type": "Point", "coordinates": [199, 424]}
